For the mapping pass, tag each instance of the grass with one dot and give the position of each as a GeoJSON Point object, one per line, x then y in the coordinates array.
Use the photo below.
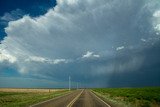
{"type": "Point", "coordinates": [131, 97]}
{"type": "Point", "coordinates": [10, 98]}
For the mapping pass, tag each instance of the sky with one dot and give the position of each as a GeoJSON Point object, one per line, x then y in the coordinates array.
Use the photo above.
{"type": "Point", "coordinates": [98, 43]}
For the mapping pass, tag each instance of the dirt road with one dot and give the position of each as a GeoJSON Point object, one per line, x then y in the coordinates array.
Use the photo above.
{"type": "Point", "coordinates": [78, 98]}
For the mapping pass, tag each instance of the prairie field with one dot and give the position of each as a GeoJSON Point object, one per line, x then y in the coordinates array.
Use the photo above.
{"type": "Point", "coordinates": [28, 90]}
{"type": "Point", "coordinates": [131, 97]}
{"type": "Point", "coordinates": [10, 97]}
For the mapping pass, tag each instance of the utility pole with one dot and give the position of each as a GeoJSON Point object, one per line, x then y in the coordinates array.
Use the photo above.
{"type": "Point", "coordinates": [77, 85]}
{"type": "Point", "coordinates": [69, 83]}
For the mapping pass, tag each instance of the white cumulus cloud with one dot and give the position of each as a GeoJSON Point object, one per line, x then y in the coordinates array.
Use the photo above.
{"type": "Point", "coordinates": [120, 48]}
{"type": "Point", "coordinates": [7, 57]}
{"type": "Point", "coordinates": [143, 40]}
{"type": "Point", "coordinates": [156, 21]}
{"type": "Point", "coordinates": [90, 55]}
{"type": "Point", "coordinates": [45, 60]}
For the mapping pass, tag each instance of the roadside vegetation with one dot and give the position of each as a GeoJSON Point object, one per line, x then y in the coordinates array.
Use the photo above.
{"type": "Point", "coordinates": [131, 97]}
{"type": "Point", "coordinates": [27, 97]}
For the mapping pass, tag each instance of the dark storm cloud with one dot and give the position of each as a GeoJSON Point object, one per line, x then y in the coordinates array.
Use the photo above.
{"type": "Point", "coordinates": [97, 43]}
{"type": "Point", "coordinates": [146, 75]}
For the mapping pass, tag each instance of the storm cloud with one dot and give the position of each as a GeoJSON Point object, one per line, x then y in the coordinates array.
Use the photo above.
{"type": "Point", "coordinates": [100, 43]}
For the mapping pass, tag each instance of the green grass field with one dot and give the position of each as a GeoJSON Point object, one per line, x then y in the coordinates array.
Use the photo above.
{"type": "Point", "coordinates": [24, 99]}
{"type": "Point", "coordinates": [131, 97]}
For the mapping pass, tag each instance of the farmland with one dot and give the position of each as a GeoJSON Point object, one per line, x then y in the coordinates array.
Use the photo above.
{"type": "Point", "coordinates": [131, 97]}
{"type": "Point", "coordinates": [26, 97]}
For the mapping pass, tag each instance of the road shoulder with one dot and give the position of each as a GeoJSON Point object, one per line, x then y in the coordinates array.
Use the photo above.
{"type": "Point", "coordinates": [111, 104]}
